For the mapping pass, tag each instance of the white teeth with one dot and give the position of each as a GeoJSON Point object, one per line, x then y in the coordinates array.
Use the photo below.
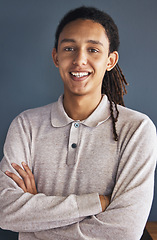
{"type": "Point", "coordinates": [79, 74]}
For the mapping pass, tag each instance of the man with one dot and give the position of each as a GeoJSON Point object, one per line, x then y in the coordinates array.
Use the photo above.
{"type": "Point", "coordinates": [82, 150]}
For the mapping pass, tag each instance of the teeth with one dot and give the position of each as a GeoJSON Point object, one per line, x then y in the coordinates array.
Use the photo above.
{"type": "Point", "coordinates": [79, 74]}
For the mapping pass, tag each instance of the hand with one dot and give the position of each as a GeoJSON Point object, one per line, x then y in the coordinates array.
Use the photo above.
{"type": "Point", "coordinates": [105, 201]}
{"type": "Point", "coordinates": [27, 181]}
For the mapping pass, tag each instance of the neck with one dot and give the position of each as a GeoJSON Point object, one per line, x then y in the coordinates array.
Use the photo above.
{"type": "Point", "coordinates": [80, 107]}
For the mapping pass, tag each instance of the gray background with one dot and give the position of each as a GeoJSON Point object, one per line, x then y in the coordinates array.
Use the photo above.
{"type": "Point", "coordinates": [28, 77]}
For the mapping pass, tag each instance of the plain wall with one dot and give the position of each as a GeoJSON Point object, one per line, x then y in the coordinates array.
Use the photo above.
{"type": "Point", "coordinates": [29, 79]}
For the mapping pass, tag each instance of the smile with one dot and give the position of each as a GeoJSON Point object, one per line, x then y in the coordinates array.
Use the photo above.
{"type": "Point", "coordinates": [80, 74]}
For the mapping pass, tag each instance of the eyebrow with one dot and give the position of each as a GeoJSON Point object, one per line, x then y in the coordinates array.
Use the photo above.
{"type": "Point", "coordinates": [66, 40]}
{"type": "Point", "coordinates": [95, 42]}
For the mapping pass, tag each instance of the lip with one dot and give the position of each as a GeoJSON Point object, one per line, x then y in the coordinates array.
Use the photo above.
{"type": "Point", "coordinates": [80, 78]}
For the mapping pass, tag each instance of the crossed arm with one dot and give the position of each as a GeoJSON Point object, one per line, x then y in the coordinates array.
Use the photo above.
{"type": "Point", "coordinates": [27, 182]}
{"type": "Point", "coordinates": [64, 216]}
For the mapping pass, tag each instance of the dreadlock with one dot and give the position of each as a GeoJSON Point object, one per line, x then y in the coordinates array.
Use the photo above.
{"type": "Point", "coordinates": [114, 82]}
{"type": "Point", "coordinates": [113, 86]}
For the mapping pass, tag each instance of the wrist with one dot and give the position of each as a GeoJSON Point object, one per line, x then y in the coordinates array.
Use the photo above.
{"type": "Point", "coordinates": [105, 201]}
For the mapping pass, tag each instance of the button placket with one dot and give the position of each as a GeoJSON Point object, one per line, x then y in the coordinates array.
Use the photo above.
{"type": "Point", "coordinates": [73, 143]}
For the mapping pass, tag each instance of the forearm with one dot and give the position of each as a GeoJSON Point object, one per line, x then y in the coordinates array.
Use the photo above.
{"type": "Point", "coordinates": [117, 222]}
{"type": "Point", "coordinates": [65, 210]}
{"type": "Point", "coordinates": [26, 212]}
{"type": "Point", "coordinates": [53, 211]}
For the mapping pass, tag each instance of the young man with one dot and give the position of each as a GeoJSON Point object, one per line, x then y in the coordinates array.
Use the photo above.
{"type": "Point", "coordinates": [87, 163]}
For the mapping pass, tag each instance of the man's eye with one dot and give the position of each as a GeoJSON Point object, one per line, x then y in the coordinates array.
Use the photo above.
{"type": "Point", "coordinates": [93, 50]}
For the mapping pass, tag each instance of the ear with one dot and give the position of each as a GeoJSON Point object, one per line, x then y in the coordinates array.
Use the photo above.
{"type": "Point", "coordinates": [55, 57]}
{"type": "Point", "coordinates": [112, 60]}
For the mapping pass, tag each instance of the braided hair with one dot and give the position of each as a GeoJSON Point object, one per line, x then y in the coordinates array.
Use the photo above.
{"type": "Point", "coordinates": [113, 86]}
{"type": "Point", "coordinates": [114, 82]}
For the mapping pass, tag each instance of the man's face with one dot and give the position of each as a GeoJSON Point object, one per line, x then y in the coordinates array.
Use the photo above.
{"type": "Point", "coordinates": [83, 57]}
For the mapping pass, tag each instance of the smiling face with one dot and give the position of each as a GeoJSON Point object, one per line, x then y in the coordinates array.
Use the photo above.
{"type": "Point", "coordinates": [83, 57]}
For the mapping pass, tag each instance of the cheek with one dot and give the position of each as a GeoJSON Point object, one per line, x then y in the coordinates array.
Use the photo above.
{"type": "Point", "coordinates": [64, 62]}
{"type": "Point", "coordinates": [64, 70]}
{"type": "Point", "coordinates": [100, 66]}
{"type": "Point", "coordinates": [100, 60]}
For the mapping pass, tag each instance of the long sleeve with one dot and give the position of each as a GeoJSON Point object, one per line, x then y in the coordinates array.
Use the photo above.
{"type": "Point", "coordinates": [132, 195]}
{"type": "Point", "coordinates": [24, 212]}
{"type": "Point", "coordinates": [68, 205]}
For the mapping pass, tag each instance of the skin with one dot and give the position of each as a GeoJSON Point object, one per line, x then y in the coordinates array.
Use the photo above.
{"type": "Point", "coordinates": [27, 181]}
{"type": "Point", "coordinates": [83, 46]}
{"type": "Point", "coordinates": [83, 49]}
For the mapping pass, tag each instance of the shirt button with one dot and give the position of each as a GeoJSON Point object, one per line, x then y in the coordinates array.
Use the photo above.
{"type": "Point", "coordinates": [76, 124]}
{"type": "Point", "coordinates": [74, 145]}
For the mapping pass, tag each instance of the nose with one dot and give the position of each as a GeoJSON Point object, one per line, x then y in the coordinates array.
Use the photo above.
{"type": "Point", "coordinates": [80, 58]}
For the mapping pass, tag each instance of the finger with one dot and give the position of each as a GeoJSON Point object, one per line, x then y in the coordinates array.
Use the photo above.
{"type": "Point", "coordinates": [24, 176]}
{"type": "Point", "coordinates": [27, 178]}
{"type": "Point", "coordinates": [17, 180]}
{"type": "Point", "coordinates": [18, 169]}
{"type": "Point", "coordinates": [31, 176]}
{"type": "Point", "coordinates": [27, 170]}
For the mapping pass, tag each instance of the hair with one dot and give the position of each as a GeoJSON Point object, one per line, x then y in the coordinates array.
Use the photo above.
{"type": "Point", "coordinates": [113, 84]}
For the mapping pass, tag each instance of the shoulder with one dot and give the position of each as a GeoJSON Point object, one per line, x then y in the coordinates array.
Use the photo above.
{"type": "Point", "coordinates": [34, 117]}
{"type": "Point", "coordinates": [37, 112]}
{"type": "Point", "coordinates": [133, 117]}
{"type": "Point", "coordinates": [131, 122]}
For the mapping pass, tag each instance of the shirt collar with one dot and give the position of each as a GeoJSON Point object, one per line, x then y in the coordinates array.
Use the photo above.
{"type": "Point", "coordinates": [59, 118]}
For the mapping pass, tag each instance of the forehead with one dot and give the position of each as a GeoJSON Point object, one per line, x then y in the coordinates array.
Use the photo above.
{"type": "Point", "coordinates": [84, 30]}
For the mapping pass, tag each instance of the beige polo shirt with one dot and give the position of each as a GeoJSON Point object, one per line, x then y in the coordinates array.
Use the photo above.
{"type": "Point", "coordinates": [73, 163]}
